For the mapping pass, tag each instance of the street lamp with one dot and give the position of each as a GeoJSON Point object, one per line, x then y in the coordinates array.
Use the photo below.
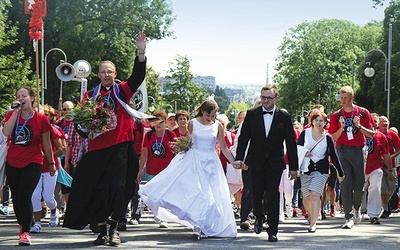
{"type": "Point", "coordinates": [369, 71]}
{"type": "Point", "coordinates": [44, 78]}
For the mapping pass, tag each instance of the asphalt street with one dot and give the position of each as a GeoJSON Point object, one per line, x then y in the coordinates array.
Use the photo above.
{"type": "Point", "coordinates": [293, 234]}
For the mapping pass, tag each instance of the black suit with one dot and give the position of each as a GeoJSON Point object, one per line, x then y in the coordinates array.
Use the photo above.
{"type": "Point", "coordinates": [265, 158]}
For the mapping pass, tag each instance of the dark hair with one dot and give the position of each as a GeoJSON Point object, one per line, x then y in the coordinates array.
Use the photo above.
{"type": "Point", "coordinates": [207, 106]}
{"type": "Point", "coordinates": [271, 87]}
{"type": "Point", "coordinates": [30, 91]}
{"type": "Point", "coordinates": [182, 113]}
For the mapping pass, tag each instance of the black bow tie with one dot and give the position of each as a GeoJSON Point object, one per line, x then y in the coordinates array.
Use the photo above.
{"type": "Point", "coordinates": [267, 112]}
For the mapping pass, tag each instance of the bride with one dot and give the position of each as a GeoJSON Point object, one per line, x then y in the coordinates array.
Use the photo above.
{"type": "Point", "coordinates": [193, 190]}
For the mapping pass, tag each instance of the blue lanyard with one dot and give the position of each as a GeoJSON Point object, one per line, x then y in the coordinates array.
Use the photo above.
{"type": "Point", "coordinates": [158, 145]}
{"type": "Point", "coordinates": [18, 131]}
{"type": "Point", "coordinates": [352, 114]}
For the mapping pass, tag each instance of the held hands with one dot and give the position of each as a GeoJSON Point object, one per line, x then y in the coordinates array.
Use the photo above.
{"type": "Point", "coordinates": [239, 165]}
{"type": "Point", "coordinates": [292, 175]}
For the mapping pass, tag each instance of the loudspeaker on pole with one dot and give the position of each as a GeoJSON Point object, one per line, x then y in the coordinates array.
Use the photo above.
{"type": "Point", "coordinates": [65, 72]}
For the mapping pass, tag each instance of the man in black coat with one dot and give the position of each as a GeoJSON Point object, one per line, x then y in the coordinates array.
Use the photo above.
{"type": "Point", "coordinates": [265, 129]}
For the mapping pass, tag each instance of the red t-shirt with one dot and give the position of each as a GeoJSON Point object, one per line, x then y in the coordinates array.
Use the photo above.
{"type": "Point", "coordinates": [124, 130]}
{"type": "Point", "coordinates": [358, 137]}
{"type": "Point", "coordinates": [159, 154]}
{"type": "Point", "coordinates": [64, 125]}
{"type": "Point", "coordinates": [394, 144]}
{"type": "Point", "coordinates": [26, 147]}
{"type": "Point", "coordinates": [377, 146]}
{"type": "Point", "coordinates": [178, 134]}
{"type": "Point", "coordinates": [229, 140]}
{"type": "Point", "coordinates": [138, 130]}
{"type": "Point", "coordinates": [55, 133]}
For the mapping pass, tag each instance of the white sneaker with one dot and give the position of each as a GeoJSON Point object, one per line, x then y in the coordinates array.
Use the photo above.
{"type": "Point", "coordinates": [357, 216]}
{"type": "Point", "coordinates": [54, 219]}
{"type": "Point", "coordinates": [365, 217]}
{"type": "Point", "coordinates": [163, 224]}
{"type": "Point", "coordinates": [348, 224]}
{"type": "Point", "coordinates": [37, 228]}
{"type": "Point", "coordinates": [133, 222]}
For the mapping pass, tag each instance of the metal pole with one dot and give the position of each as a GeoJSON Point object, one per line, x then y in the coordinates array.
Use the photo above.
{"type": "Point", "coordinates": [44, 73]}
{"type": "Point", "coordinates": [352, 73]}
{"type": "Point", "coordinates": [42, 66]}
{"type": "Point", "coordinates": [388, 74]}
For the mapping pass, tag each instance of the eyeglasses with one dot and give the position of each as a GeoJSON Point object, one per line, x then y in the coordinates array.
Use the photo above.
{"type": "Point", "coordinates": [66, 109]}
{"type": "Point", "coordinates": [109, 72]}
{"type": "Point", "coordinates": [269, 98]}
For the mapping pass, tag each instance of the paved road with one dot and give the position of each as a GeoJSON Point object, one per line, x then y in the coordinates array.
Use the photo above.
{"type": "Point", "coordinates": [292, 235]}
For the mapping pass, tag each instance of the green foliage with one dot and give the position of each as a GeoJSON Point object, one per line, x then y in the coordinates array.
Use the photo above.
{"type": "Point", "coordinates": [316, 59]}
{"type": "Point", "coordinates": [14, 67]}
{"type": "Point", "coordinates": [233, 110]}
{"type": "Point", "coordinates": [372, 94]}
{"type": "Point", "coordinates": [182, 92]}
{"type": "Point", "coordinates": [222, 99]}
{"type": "Point", "coordinates": [153, 89]}
{"type": "Point", "coordinates": [93, 30]}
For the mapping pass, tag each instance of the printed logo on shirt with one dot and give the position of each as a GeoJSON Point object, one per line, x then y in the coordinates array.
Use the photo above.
{"type": "Point", "coordinates": [349, 125]}
{"type": "Point", "coordinates": [109, 101]}
{"type": "Point", "coordinates": [24, 137]}
{"type": "Point", "coordinates": [158, 150]}
{"type": "Point", "coordinates": [66, 130]}
{"type": "Point", "coordinates": [370, 145]}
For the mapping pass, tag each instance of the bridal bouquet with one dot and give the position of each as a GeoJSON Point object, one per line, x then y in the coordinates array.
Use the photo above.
{"type": "Point", "coordinates": [181, 144]}
{"type": "Point", "coordinates": [94, 118]}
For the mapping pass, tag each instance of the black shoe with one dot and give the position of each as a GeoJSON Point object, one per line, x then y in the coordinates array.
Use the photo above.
{"type": "Point", "coordinates": [272, 238]}
{"type": "Point", "coordinates": [258, 225]}
{"type": "Point", "coordinates": [95, 228]}
{"type": "Point", "coordinates": [245, 225]}
{"type": "Point", "coordinates": [114, 237]}
{"type": "Point", "coordinates": [101, 240]}
{"type": "Point", "coordinates": [121, 226]}
{"type": "Point", "coordinates": [385, 214]}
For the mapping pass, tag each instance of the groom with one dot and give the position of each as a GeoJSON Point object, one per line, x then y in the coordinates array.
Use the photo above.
{"type": "Point", "coordinates": [266, 128]}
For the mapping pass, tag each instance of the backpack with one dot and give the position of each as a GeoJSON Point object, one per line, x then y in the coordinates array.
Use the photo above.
{"type": "Point", "coordinates": [340, 110]}
{"type": "Point", "coordinates": [150, 133]}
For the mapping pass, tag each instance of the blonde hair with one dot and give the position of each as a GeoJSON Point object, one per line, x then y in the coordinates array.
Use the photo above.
{"type": "Point", "coordinates": [346, 90]}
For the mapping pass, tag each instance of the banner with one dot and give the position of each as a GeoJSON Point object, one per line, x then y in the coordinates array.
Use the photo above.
{"type": "Point", "coordinates": [139, 100]}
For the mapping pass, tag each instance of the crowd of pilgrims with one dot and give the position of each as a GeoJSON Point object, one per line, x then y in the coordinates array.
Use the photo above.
{"type": "Point", "coordinates": [152, 143]}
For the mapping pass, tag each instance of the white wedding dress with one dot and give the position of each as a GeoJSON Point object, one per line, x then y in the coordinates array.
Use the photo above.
{"type": "Point", "coordinates": [193, 190]}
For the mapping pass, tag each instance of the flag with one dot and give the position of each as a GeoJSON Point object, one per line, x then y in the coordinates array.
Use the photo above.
{"type": "Point", "coordinates": [139, 100]}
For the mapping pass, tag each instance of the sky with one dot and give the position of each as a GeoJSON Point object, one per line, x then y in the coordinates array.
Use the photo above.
{"type": "Point", "coordinates": [236, 41]}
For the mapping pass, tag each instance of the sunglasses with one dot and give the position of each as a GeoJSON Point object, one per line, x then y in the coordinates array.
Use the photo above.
{"type": "Point", "coordinates": [64, 109]}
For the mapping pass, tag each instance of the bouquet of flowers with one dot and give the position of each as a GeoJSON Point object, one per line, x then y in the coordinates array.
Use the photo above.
{"type": "Point", "coordinates": [94, 118]}
{"type": "Point", "coordinates": [181, 144]}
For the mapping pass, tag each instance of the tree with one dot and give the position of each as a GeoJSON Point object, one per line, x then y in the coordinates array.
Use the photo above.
{"type": "Point", "coordinates": [182, 92]}
{"type": "Point", "coordinates": [153, 89]}
{"type": "Point", "coordinates": [93, 30]}
{"type": "Point", "coordinates": [222, 99]}
{"type": "Point", "coordinates": [316, 59]}
{"type": "Point", "coordinates": [372, 94]}
{"type": "Point", "coordinates": [233, 110]}
{"type": "Point", "coordinates": [14, 67]}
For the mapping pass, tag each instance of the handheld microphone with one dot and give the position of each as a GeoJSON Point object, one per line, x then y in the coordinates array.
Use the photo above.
{"type": "Point", "coordinates": [15, 105]}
